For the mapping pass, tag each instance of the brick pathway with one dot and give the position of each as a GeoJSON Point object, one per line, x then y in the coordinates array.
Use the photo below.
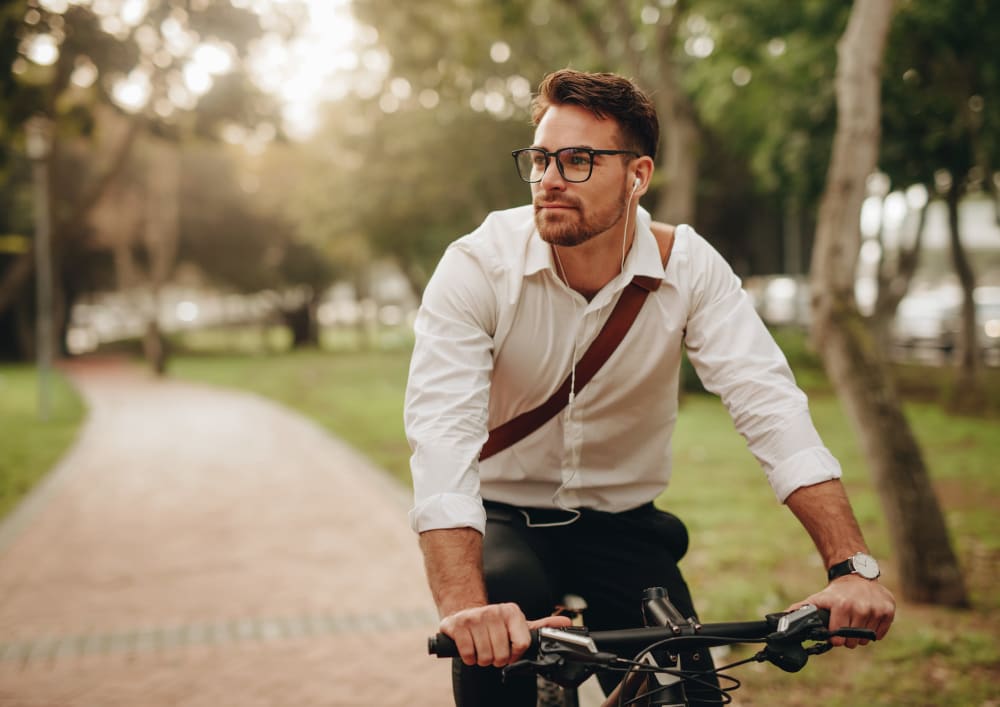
{"type": "Point", "coordinates": [204, 547]}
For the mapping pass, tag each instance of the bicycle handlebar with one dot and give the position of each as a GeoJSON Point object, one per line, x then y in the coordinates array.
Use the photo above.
{"type": "Point", "coordinates": [634, 640]}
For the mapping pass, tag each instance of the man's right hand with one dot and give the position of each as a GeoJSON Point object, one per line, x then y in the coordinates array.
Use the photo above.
{"type": "Point", "coordinates": [495, 634]}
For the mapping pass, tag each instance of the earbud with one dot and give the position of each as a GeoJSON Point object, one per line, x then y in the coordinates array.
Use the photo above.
{"type": "Point", "coordinates": [636, 183]}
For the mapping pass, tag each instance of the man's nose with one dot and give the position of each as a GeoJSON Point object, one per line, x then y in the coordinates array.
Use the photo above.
{"type": "Point", "coordinates": [552, 178]}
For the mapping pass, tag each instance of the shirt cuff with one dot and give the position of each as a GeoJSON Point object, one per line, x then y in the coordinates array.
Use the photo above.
{"type": "Point", "coordinates": [805, 468]}
{"type": "Point", "coordinates": [448, 510]}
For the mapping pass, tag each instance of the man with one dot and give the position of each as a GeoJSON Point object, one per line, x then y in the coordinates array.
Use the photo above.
{"type": "Point", "coordinates": [505, 319]}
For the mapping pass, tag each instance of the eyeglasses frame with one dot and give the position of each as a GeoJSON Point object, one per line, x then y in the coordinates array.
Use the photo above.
{"type": "Point", "coordinates": [548, 155]}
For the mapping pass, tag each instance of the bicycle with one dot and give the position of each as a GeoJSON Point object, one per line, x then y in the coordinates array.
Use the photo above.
{"type": "Point", "coordinates": [652, 676]}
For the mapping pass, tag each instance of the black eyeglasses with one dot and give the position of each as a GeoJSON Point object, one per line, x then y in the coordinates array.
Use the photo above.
{"type": "Point", "coordinates": [575, 164]}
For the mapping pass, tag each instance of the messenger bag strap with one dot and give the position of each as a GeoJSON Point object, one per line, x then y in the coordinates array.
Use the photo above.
{"type": "Point", "coordinates": [600, 350]}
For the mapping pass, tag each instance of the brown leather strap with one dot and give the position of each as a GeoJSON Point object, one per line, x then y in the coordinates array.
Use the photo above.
{"type": "Point", "coordinates": [600, 350]}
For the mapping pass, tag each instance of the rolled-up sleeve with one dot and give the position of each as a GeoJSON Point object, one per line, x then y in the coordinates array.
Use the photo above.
{"type": "Point", "coordinates": [737, 358]}
{"type": "Point", "coordinates": [447, 394]}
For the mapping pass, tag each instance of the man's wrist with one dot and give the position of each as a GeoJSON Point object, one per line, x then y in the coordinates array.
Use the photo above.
{"type": "Point", "coordinates": [860, 564]}
{"type": "Point", "coordinates": [446, 609]}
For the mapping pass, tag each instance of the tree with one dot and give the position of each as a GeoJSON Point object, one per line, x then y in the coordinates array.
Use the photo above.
{"type": "Point", "coordinates": [76, 61]}
{"type": "Point", "coordinates": [928, 568]}
{"type": "Point", "coordinates": [943, 132]}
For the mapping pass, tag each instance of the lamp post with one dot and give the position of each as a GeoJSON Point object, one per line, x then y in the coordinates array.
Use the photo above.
{"type": "Point", "coordinates": [38, 131]}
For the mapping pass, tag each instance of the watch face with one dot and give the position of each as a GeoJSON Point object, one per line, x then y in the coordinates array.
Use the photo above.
{"type": "Point", "coordinates": [865, 565]}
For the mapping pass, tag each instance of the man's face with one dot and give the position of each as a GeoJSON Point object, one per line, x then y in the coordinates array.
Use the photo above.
{"type": "Point", "coordinates": [571, 213]}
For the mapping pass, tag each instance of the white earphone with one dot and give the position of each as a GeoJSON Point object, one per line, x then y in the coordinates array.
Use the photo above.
{"type": "Point", "coordinates": [635, 184]}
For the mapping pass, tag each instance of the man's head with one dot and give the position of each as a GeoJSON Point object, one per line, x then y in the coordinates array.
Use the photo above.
{"type": "Point", "coordinates": [592, 157]}
{"type": "Point", "coordinates": [606, 96]}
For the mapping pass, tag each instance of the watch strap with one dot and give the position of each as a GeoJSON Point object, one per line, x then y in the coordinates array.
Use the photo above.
{"type": "Point", "coordinates": [840, 569]}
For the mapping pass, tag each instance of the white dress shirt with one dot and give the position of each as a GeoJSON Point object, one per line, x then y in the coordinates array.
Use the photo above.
{"type": "Point", "coordinates": [498, 331]}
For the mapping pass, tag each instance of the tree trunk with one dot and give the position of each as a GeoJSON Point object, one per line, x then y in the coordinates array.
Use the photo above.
{"type": "Point", "coordinates": [928, 568]}
{"type": "Point", "coordinates": [15, 277]}
{"type": "Point", "coordinates": [303, 322]}
{"type": "Point", "coordinates": [160, 237]}
{"type": "Point", "coordinates": [154, 348]}
{"type": "Point", "coordinates": [791, 256]}
{"type": "Point", "coordinates": [679, 145]}
{"type": "Point", "coordinates": [966, 394]}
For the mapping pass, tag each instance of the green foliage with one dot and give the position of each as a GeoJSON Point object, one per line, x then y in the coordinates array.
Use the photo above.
{"type": "Point", "coordinates": [236, 241]}
{"type": "Point", "coordinates": [781, 119]}
{"type": "Point", "coordinates": [941, 102]}
{"type": "Point", "coordinates": [31, 447]}
{"type": "Point", "coordinates": [429, 178]}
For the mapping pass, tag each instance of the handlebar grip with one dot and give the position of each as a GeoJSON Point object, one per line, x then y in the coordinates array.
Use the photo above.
{"type": "Point", "coordinates": [442, 645]}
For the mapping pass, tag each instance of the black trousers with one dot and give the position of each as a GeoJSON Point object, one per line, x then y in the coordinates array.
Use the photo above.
{"type": "Point", "coordinates": [607, 558]}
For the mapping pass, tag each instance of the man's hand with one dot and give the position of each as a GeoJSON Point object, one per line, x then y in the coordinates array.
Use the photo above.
{"type": "Point", "coordinates": [858, 603]}
{"type": "Point", "coordinates": [495, 634]}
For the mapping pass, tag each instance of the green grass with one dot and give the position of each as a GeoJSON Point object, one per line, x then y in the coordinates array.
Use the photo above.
{"type": "Point", "coordinates": [29, 447]}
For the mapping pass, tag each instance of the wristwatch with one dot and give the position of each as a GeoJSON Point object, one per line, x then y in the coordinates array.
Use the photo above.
{"type": "Point", "coordinates": [859, 564]}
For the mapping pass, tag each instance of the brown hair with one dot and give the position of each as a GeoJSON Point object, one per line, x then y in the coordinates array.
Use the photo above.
{"type": "Point", "coordinates": [606, 96]}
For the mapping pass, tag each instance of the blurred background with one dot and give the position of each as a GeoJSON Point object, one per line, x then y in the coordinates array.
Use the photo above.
{"type": "Point", "coordinates": [173, 166]}
{"type": "Point", "coordinates": [254, 193]}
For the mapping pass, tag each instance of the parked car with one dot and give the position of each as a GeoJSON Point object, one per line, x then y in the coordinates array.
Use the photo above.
{"type": "Point", "coordinates": [924, 323]}
{"type": "Point", "coordinates": [987, 301]}
{"type": "Point", "coordinates": [780, 300]}
{"type": "Point", "coordinates": [927, 324]}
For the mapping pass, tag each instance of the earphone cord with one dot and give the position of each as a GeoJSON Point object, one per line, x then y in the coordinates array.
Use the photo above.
{"type": "Point", "coordinates": [628, 203]}
{"type": "Point", "coordinates": [574, 447]}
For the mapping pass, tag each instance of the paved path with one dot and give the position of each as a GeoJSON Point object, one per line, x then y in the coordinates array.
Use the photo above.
{"type": "Point", "coordinates": [200, 547]}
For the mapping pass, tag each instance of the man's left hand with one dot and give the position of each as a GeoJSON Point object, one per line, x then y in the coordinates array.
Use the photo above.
{"type": "Point", "coordinates": [857, 603]}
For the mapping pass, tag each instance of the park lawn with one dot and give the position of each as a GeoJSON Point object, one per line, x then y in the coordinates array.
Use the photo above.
{"type": "Point", "coordinates": [30, 447]}
{"type": "Point", "coordinates": [749, 556]}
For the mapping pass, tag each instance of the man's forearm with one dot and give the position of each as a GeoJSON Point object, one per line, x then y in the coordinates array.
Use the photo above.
{"type": "Point", "coordinates": [453, 559]}
{"type": "Point", "coordinates": [825, 512]}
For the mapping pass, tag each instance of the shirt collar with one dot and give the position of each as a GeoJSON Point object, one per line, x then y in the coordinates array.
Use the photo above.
{"type": "Point", "coordinates": [539, 255]}
{"type": "Point", "coordinates": [644, 256]}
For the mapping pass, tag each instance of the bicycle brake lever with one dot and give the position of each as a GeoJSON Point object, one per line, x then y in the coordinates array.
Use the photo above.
{"type": "Point", "coordinates": [848, 632]}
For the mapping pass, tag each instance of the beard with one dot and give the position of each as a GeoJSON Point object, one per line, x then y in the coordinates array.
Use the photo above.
{"type": "Point", "coordinates": [575, 225]}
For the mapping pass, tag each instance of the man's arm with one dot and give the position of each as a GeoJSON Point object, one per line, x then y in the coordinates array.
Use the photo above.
{"type": "Point", "coordinates": [453, 559]}
{"type": "Point", "coordinates": [485, 634]}
{"type": "Point", "coordinates": [825, 513]}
